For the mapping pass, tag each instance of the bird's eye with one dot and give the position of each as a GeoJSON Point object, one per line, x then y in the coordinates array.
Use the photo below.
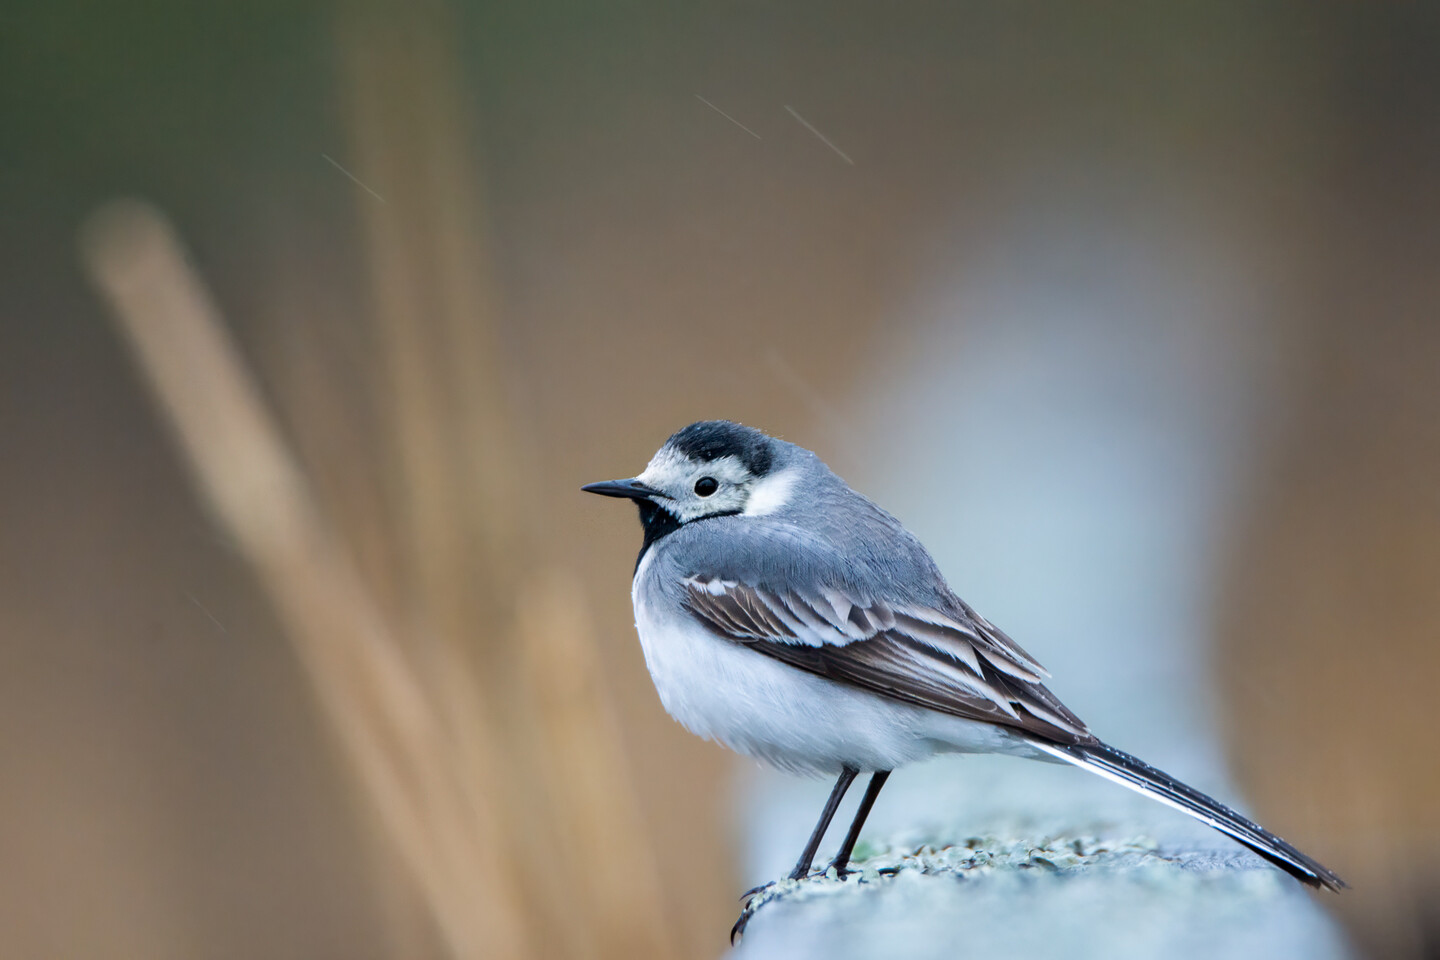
{"type": "Point", "coordinates": [706, 486]}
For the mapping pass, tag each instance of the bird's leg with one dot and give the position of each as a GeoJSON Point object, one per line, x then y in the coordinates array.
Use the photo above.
{"type": "Point", "coordinates": [754, 898]}
{"type": "Point", "coordinates": [872, 790]}
{"type": "Point", "coordinates": [847, 776]}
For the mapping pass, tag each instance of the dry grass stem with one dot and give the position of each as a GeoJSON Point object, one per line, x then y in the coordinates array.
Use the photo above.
{"type": "Point", "coordinates": [588, 779]}
{"type": "Point", "coordinates": [447, 833]}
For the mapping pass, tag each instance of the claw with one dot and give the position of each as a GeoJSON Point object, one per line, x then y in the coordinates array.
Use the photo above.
{"type": "Point", "coordinates": [737, 931]}
{"type": "Point", "coordinates": [754, 890]}
{"type": "Point", "coordinates": [752, 899]}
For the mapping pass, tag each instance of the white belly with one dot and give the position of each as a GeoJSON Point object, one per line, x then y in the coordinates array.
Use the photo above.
{"type": "Point", "coordinates": [766, 709]}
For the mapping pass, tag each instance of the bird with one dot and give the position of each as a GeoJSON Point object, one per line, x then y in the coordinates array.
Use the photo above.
{"type": "Point", "coordinates": [790, 618]}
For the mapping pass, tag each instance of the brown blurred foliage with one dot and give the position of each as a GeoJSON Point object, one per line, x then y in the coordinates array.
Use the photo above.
{"type": "Point", "coordinates": [1330, 646]}
{"type": "Point", "coordinates": [499, 780]}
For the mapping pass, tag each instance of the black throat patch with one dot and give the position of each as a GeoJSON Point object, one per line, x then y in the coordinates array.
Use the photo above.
{"type": "Point", "coordinates": [658, 523]}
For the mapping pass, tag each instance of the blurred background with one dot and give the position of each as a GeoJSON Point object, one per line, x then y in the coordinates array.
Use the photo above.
{"type": "Point", "coordinates": [310, 647]}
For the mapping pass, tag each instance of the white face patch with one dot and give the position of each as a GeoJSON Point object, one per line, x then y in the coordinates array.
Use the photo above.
{"type": "Point", "coordinates": [675, 475]}
{"type": "Point", "coordinates": [769, 494]}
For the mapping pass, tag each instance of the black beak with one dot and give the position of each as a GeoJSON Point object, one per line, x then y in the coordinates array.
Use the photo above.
{"type": "Point", "coordinates": [628, 489]}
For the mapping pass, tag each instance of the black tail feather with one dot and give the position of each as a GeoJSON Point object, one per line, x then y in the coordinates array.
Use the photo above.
{"type": "Point", "coordinates": [1140, 776]}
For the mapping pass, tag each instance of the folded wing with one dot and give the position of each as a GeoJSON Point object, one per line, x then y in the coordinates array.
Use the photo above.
{"type": "Point", "coordinates": [954, 661]}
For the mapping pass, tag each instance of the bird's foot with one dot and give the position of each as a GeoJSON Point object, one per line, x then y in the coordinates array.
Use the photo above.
{"type": "Point", "coordinates": [756, 897]}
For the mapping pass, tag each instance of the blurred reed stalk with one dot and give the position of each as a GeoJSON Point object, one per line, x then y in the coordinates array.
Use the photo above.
{"type": "Point", "coordinates": [446, 831]}
{"type": "Point", "coordinates": [461, 675]}
{"type": "Point", "coordinates": [592, 798]}
{"type": "Point", "coordinates": [589, 870]}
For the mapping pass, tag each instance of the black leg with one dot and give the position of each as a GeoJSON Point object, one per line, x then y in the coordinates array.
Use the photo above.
{"type": "Point", "coordinates": [847, 776]}
{"type": "Point", "coordinates": [842, 859]}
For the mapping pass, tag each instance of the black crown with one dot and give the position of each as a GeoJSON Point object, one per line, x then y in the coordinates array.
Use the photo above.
{"type": "Point", "coordinates": [710, 440]}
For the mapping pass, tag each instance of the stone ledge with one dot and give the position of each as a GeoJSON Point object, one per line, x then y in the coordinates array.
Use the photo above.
{"type": "Point", "coordinates": [1043, 896]}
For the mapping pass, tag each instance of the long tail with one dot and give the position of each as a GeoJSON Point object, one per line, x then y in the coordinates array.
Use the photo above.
{"type": "Point", "coordinates": [1143, 778]}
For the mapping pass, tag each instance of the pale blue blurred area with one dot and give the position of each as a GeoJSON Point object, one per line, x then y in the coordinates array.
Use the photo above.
{"type": "Point", "coordinates": [1066, 431]}
{"type": "Point", "coordinates": [1066, 422]}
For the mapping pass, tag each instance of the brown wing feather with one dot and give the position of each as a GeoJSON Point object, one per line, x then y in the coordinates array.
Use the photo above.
{"type": "Point", "coordinates": [913, 655]}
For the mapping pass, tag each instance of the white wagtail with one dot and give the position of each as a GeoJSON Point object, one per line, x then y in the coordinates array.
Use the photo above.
{"type": "Point", "coordinates": [793, 620]}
